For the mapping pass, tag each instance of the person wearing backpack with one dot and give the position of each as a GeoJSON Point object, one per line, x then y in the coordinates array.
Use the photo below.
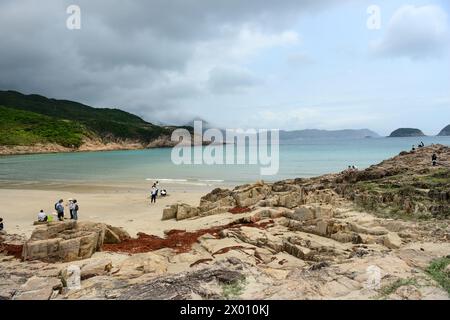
{"type": "Point", "coordinates": [59, 207]}
{"type": "Point", "coordinates": [75, 209]}
{"type": "Point", "coordinates": [154, 193]}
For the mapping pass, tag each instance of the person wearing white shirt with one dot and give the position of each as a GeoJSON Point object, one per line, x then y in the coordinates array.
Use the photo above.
{"type": "Point", "coordinates": [42, 217]}
{"type": "Point", "coordinates": [71, 207]}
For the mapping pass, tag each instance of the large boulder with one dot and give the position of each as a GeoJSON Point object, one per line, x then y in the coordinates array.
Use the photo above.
{"type": "Point", "coordinates": [291, 200]}
{"type": "Point", "coordinates": [180, 211]}
{"type": "Point", "coordinates": [170, 212]}
{"type": "Point", "coordinates": [392, 241]}
{"type": "Point", "coordinates": [38, 288]}
{"type": "Point", "coordinates": [96, 268]}
{"type": "Point", "coordinates": [216, 210]}
{"type": "Point", "coordinates": [302, 214]}
{"type": "Point", "coordinates": [185, 211]}
{"type": "Point", "coordinates": [70, 241]}
{"type": "Point", "coordinates": [216, 202]}
{"type": "Point", "coordinates": [251, 195]}
{"type": "Point", "coordinates": [297, 250]}
{"type": "Point", "coordinates": [121, 233]}
{"type": "Point", "coordinates": [214, 196]}
{"type": "Point", "coordinates": [311, 212]}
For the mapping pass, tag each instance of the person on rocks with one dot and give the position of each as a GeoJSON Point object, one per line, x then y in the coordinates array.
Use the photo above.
{"type": "Point", "coordinates": [413, 148]}
{"type": "Point", "coordinates": [59, 207]}
{"type": "Point", "coordinates": [42, 216]}
{"type": "Point", "coordinates": [1, 224]}
{"type": "Point", "coordinates": [434, 159]}
{"type": "Point", "coordinates": [75, 209]}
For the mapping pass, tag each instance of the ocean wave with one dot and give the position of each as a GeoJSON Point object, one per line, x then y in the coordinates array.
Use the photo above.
{"type": "Point", "coordinates": [167, 180]}
{"type": "Point", "coordinates": [203, 182]}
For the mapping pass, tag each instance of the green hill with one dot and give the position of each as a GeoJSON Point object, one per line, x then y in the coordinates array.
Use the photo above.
{"type": "Point", "coordinates": [407, 132]}
{"type": "Point", "coordinates": [30, 119]}
{"type": "Point", "coordinates": [445, 132]}
{"type": "Point", "coordinates": [19, 127]}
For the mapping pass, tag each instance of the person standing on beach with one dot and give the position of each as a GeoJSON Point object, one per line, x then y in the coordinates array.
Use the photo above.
{"type": "Point", "coordinates": [75, 209]}
{"type": "Point", "coordinates": [71, 206]}
{"type": "Point", "coordinates": [59, 207]}
{"type": "Point", "coordinates": [1, 224]}
{"type": "Point", "coordinates": [154, 193]}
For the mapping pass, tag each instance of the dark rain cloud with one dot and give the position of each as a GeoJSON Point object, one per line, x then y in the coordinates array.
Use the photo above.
{"type": "Point", "coordinates": [134, 54]}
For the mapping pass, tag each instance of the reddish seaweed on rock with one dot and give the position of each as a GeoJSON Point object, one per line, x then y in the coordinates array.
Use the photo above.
{"type": "Point", "coordinates": [178, 240]}
{"type": "Point", "coordinates": [239, 210]}
{"type": "Point", "coordinates": [200, 262]}
{"type": "Point", "coordinates": [12, 250]}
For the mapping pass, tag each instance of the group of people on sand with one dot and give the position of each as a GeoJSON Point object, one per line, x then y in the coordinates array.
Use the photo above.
{"type": "Point", "coordinates": [154, 192]}
{"type": "Point", "coordinates": [59, 211]}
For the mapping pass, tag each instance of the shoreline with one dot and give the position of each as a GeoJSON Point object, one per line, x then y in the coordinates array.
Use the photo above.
{"type": "Point", "coordinates": [6, 151]}
{"type": "Point", "coordinates": [88, 146]}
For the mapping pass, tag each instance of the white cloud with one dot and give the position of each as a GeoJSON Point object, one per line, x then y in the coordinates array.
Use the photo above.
{"type": "Point", "coordinates": [416, 32]}
{"type": "Point", "coordinates": [219, 64]}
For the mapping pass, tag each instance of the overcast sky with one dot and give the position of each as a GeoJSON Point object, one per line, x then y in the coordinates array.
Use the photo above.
{"type": "Point", "coordinates": [288, 64]}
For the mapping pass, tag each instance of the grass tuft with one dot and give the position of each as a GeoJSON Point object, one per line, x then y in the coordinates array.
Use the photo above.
{"type": "Point", "coordinates": [234, 289]}
{"type": "Point", "coordinates": [391, 288]}
{"type": "Point", "coordinates": [437, 271]}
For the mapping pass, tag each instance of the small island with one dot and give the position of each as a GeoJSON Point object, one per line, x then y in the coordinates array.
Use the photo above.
{"type": "Point", "coordinates": [406, 132]}
{"type": "Point", "coordinates": [445, 132]}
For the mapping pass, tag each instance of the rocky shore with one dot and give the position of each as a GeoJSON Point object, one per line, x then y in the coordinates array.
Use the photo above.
{"type": "Point", "coordinates": [87, 146]}
{"type": "Point", "coordinates": [380, 233]}
{"type": "Point", "coordinates": [90, 145]}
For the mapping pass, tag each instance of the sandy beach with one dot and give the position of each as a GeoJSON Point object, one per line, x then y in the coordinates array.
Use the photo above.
{"type": "Point", "coordinates": [124, 206]}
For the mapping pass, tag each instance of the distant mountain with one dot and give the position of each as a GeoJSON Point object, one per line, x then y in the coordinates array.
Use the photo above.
{"type": "Point", "coordinates": [445, 131]}
{"type": "Point", "coordinates": [337, 134]}
{"type": "Point", "coordinates": [406, 132]}
{"type": "Point", "coordinates": [30, 119]}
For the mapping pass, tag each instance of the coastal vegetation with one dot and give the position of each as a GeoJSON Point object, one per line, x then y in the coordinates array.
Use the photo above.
{"type": "Point", "coordinates": [31, 119]}
{"type": "Point", "coordinates": [439, 271]}
{"type": "Point", "coordinates": [401, 195]}
{"type": "Point", "coordinates": [19, 127]}
{"type": "Point", "coordinates": [406, 186]}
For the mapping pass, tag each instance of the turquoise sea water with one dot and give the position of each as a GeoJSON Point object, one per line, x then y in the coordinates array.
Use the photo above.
{"type": "Point", "coordinates": [297, 159]}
